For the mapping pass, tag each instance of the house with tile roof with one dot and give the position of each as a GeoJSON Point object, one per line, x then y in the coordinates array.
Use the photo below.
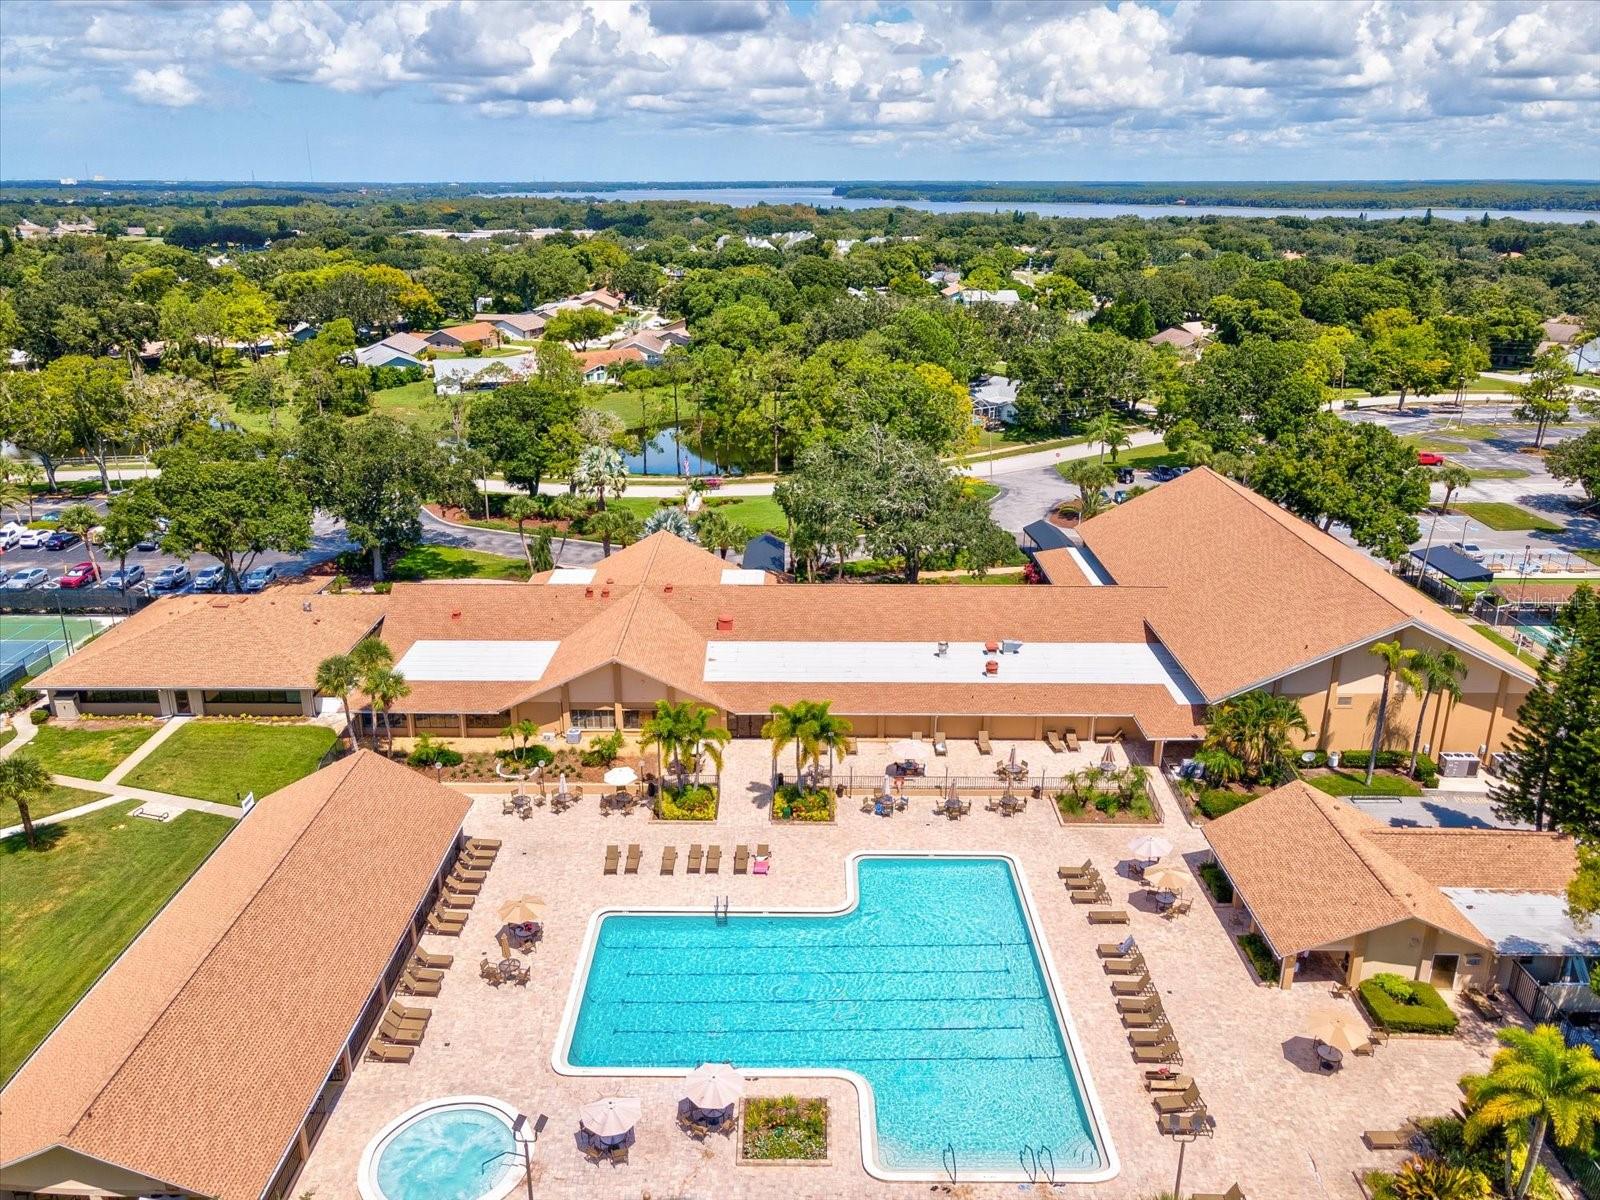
{"type": "Point", "coordinates": [1328, 885]}
{"type": "Point", "coordinates": [206, 1058]}
{"type": "Point", "coordinates": [459, 337]}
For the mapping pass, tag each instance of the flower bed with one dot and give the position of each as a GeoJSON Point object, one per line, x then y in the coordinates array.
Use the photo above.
{"type": "Point", "coordinates": [1093, 795]}
{"type": "Point", "coordinates": [784, 1129]}
{"type": "Point", "coordinates": [1406, 1005]}
{"type": "Point", "coordinates": [791, 803]}
{"type": "Point", "coordinates": [696, 802]}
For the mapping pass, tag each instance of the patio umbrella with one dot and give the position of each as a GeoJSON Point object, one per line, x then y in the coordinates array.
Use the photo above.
{"type": "Point", "coordinates": [906, 748]}
{"type": "Point", "coordinates": [1149, 847]}
{"type": "Point", "coordinates": [561, 784]}
{"type": "Point", "coordinates": [610, 1116]}
{"type": "Point", "coordinates": [1012, 760]}
{"type": "Point", "coordinates": [522, 910]}
{"type": "Point", "coordinates": [713, 1086]}
{"type": "Point", "coordinates": [1338, 1029]}
{"type": "Point", "coordinates": [621, 776]}
{"type": "Point", "coordinates": [1169, 877]}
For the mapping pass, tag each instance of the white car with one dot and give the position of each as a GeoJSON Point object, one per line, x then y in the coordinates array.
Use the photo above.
{"type": "Point", "coordinates": [28, 577]}
{"type": "Point", "coordinates": [33, 539]}
{"type": "Point", "coordinates": [10, 535]}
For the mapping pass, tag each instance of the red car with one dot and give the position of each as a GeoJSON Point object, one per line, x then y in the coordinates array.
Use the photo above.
{"type": "Point", "coordinates": [1427, 458]}
{"type": "Point", "coordinates": [79, 576]}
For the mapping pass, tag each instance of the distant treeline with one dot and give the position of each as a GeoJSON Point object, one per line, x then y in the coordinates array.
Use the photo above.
{"type": "Point", "coordinates": [1488, 193]}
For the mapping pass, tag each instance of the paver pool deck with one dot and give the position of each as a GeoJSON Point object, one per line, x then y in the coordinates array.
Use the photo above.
{"type": "Point", "coordinates": [1282, 1129]}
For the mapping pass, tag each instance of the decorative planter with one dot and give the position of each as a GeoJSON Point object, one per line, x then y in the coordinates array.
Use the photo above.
{"type": "Point", "coordinates": [744, 1161]}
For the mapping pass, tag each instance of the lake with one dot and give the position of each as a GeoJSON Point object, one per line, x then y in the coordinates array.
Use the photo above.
{"type": "Point", "coordinates": [821, 197]}
{"type": "Point", "coordinates": [664, 455]}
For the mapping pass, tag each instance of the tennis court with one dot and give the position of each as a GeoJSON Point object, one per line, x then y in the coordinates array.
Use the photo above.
{"type": "Point", "coordinates": [29, 644]}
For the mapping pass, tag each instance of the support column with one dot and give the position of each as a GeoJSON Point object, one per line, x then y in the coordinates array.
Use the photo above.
{"type": "Point", "coordinates": [616, 696]}
{"type": "Point", "coordinates": [566, 708]}
{"type": "Point", "coordinates": [1329, 701]}
{"type": "Point", "coordinates": [1091, 729]}
{"type": "Point", "coordinates": [1157, 748]}
{"type": "Point", "coordinates": [1494, 714]}
{"type": "Point", "coordinates": [1430, 942]}
{"type": "Point", "coordinates": [1358, 958]}
{"type": "Point", "coordinates": [461, 725]}
{"type": "Point", "coordinates": [411, 725]}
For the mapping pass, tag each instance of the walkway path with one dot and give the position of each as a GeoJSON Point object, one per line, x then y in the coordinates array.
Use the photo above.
{"type": "Point", "coordinates": [121, 796]}
{"type": "Point", "coordinates": [22, 722]}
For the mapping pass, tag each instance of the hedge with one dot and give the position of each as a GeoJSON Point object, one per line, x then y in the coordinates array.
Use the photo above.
{"type": "Point", "coordinates": [1261, 956]}
{"type": "Point", "coordinates": [791, 804]}
{"type": "Point", "coordinates": [1406, 1005]}
{"type": "Point", "coordinates": [697, 802]}
{"type": "Point", "coordinates": [1388, 760]}
{"type": "Point", "coordinates": [1217, 882]}
{"type": "Point", "coordinates": [1217, 802]}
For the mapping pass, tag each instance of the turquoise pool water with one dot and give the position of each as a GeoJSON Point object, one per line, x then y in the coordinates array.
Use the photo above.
{"type": "Point", "coordinates": [931, 989]}
{"type": "Point", "coordinates": [447, 1155]}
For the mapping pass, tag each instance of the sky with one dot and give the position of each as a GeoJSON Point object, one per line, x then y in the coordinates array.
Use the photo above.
{"type": "Point", "coordinates": [463, 90]}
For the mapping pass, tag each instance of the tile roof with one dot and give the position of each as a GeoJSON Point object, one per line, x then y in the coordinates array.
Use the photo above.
{"type": "Point", "coordinates": [1315, 870]}
{"type": "Point", "coordinates": [270, 640]}
{"type": "Point", "coordinates": [472, 331]}
{"type": "Point", "coordinates": [197, 1054]}
{"type": "Point", "coordinates": [1287, 593]}
{"type": "Point", "coordinates": [589, 359]}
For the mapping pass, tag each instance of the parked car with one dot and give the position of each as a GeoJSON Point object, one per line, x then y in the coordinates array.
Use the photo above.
{"type": "Point", "coordinates": [32, 539]}
{"type": "Point", "coordinates": [10, 534]}
{"type": "Point", "coordinates": [124, 579]}
{"type": "Point", "coordinates": [1471, 549]}
{"type": "Point", "coordinates": [1121, 496]}
{"type": "Point", "coordinates": [62, 539]}
{"type": "Point", "coordinates": [1429, 458]}
{"type": "Point", "coordinates": [80, 576]}
{"type": "Point", "coordinates": [147, 545]}
{"type": "Point", "coordinates": [210, 579]}
{"type": "Point", "coordinates": [258, 578]}
{"type": "Point", "coordinates": [170, 579]}
{"type": "Point", "coordinates": [1162, 474]}
{"type": "Point", "coordinates": [4, 575]}
{"type": "Point", "coordinates": [1124, 474]}
{"type": "Point", "coordinates": [28, 577]}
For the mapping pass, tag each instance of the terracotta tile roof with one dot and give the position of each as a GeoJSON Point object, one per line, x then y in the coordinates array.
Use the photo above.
{"type": "Point", "coordinates": [589, 359]}
{"type": "Point", "coordinates": [1286, 593]}
{"type": "Point", "coordinates": [1315, 870]}
{"type": "Point", "coordinates": [472, 331]}
{"type": "Point", "coordinates": [197, 1054]}
{"type": "Point", "coordinates": [263, 641]}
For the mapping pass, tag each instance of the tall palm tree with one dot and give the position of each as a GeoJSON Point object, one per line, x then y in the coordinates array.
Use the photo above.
{"type": "Point", "coordinates": [24, 782]}
{"type": "Point", "coordinates": [383, 687]}
{"type": "Point", "coordinates": [1441, 672]}
{"type": "Point", "coordinates": [371, 657]}
{"type": "Point", "coordinates": [714, 531]}
{"type": "Point", "coordinates": [1253, 730]}
{"type": "Point", "coordinates": [521, 509]}
{"type": "Point", "coordinates": [601, 471]}
{"type": "Point", "coordinates": [1537, 1085]}
{"type": "Point", "coordinates": [1397, 670]}
{"type": "Point", "coordinates": [1102, 429]}
{"type": "Point", "coordinates": [791, 725]}
{"type": "Point", "coordinates": [1092, 477]}
{"type": "Point", "coordinates": [612, 525]}
{"type": "Point", "coordinates": [337, 675]}
{"type": "Point", "coordinates": [832, 733]}
{"type": "Point", "coordinates": [1454, 477]}
{"type": "Point", "coordinates": [681, 731]}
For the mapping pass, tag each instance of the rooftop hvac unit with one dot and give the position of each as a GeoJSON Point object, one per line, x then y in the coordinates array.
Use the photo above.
{"type": "Point", "coordinates": [941, 649]}
{"type": "Point", "coordinates": [1010, 647]}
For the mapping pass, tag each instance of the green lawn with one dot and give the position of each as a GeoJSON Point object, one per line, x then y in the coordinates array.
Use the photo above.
{"type": "Point", "coordinates": [450, 562]}
{"type": "Point", "coordinates": [86, 753]}
{"type": "Point", "coordinates": [254, 421]}
{"type": "Point", "coordinates": [6, 735]}
{"type": "Point", "coordinates": [70, 906]}
{"type": "Point", "coordinates": [1589, 555]}
{"type": "Point", "coordinates": [57, 799]}
{"type": "Point", "coordinates": [222, 760]}
{"type": "Point", "coordinates": [1500, 473]}
{"type": "Point", "coordinates": [1504, 517]}
{"type": "Point", "coordinates": [1505, 643]}
{"type": "Point", "coordinates": [1354, 783]}
{"type": "Point", "coordinates": [1438, 445]}
{"type": "Point", "coordinates": [758, 514]}
{"type": "Point", "coordinates": [413, 403]}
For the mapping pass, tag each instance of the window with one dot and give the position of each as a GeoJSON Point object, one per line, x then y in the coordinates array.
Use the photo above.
{"type": "Point", "coordinates": [632, 718]}
{"type": "Point", "coordinates": [1346, 701]}
{"type": "Point", "coordinates": [594, 718]}
{"type": "Point", "coordinates": [448, 722]}
{"type": "Point", "coordinates": [123, 696]}
{"type": "Point", "coordinates": [262, 696]}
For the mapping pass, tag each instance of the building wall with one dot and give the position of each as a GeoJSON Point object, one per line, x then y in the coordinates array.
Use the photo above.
{"type": "Point", "coordinates": [1408, 949]}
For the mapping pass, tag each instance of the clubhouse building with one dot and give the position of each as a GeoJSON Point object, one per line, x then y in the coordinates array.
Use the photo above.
{"type": "Point", "coordinates": [1192, 593]}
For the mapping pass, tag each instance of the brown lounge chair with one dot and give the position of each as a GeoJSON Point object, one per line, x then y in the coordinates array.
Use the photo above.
{"type": "Point", "coordinates": [1156, 1082]}
{"type": "Point", "coordinates": [697, 855]}
{"type": "Point", "coordinates": [444, 928]}
{"type": "Point", "coordinates": [1053, 740]}
{"type": "Point", "coordinates": [478, 843]}
{"type": "Point", "coordinates": [427, 974]}
{"type": "Point", "coordinates": [1142, 1003]}
{"type": "Point", "coordinates": [983, 743]}
{"type": "Point", "coordinates": [631, 867]}
{"type": "Point", "coordinates": [1166, 1051]}
{"type": "Point", "coordinates": [391, 1030]}
{"type": "Point", "coordinates": [1072, 740]}
{"type": "Point", "coordinates": [456, 888]}
{"type": "Point", "coordinates": [1133, 965]}
{"type": "Point", "coordinates": [1088, 868]}
{"type": "Point", "coordinates": [741, 860]}
{"type": "Point", "coordinates": [1194, 1123]}
{"type": "Point", "coordinates": [613, 858]}
{"type": "Point", "coordinates": [1153, 1036]}
{"type": "Point", "coordinates": [1232, 1193]}
{"type": "Point", "coordinates": [1175, 1102]}
{"type": "Point", "coordinates": [1097, 895]}
{"type": "Point", "coordinates": [669, 860]}
{"type": "Point", "coordinates": [457, 902]}
{"type": "Point", "coordinates": [763, 850]}
{"type": "Point", "coordinates": [714, 861]}
{"type": "Point", "coordinates": [411, 986]}
{"type": "Point", "coordinates": [472, 862]}
{"type": "Point", "coordinates": [1375, 1038]}
{"type": "Point", "coordinates": [437, 962]}
{"type": "Point", "coordinates": [1108, 916]}
{"type": "Point", "coordinates": [1123, 949]}
{"type": "Point", "coordinates": [408, 1012]}
{"type": "Point", "coordinates": [1390, 1139]}
{"type": "Point", "coordinates": [379, 1050]}
{"type": "Point", "coordinates": [1144, 1020]}
{"type": "Point", "coordinates": [1131, 987]}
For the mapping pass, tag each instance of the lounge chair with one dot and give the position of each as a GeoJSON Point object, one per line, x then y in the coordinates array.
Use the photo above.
{"type": "Point", "coordinates": [1072, 740]}
{"type": "Point", "coordinates": [474, 862]}
{"type": "Point", "coordinates": [1232, 1193]}
{"type": "Point", "coordinates": [1390, 1139]}
{"type": "Point", "coordinates": [763, 850]}
{"type": "Point", "coordinates": [1108, 916]}
{"type": "Point", "coordinates": [438, 962]}
{"type": "Point", "coordinates": [1142, 1003]}
{"type": "Point", "coordinates": [1088, 868]}
{"type": "Point", "coordinates": [428, 974]}
{"type": "Point", "coordinates": [613, 858]}
{"type": "Point", "coordinates": [444, 928]}
{"type": "Point", "coordinates": [1194, 1123]}
{"type": "Point", "coordinates": [1134, 965]}
{"type": "Point", "coordinates": [1122, 949]}
{"type": "Point", "coordinates": [714, 860]}
{"type": "Point", "coordinates": [1144, 1020]}
{"type": "Point", "coordinates": [1175, 1102]}
{"type": "Point", "coordinates": [631, 867]}
{"type": "Point", "coordinates": [467, 875]}
{"type": "Point", "coordinates": [1091, 895]}
{"type": "Point", "coordinates": [697, 856]}
{"type": "Point", "coordinates": [1130, 987]}
{"type": "Point", "coordinates": [983, 743]}
{"type": "Point", "coordinates": [1158, 1082]}
{"type": "Point", "coordinates": [669, 860]}
{"type": "Point", "coordinates": [451, 900]}
{"type": "Point", "coordinates": [1166, 1051]}
{"type": "Point", "coordinates": [478, 843]}
{"type": "Point", "coordinates": [391, 1030]}
{"type": "Point", "coordinates": [456, 887]}
{"type": "Point", "coordinates": [741, 859]}
{"type": "Point", "coordinates": [1053, 740]}
{"type": "Point", "coordinates": [408, 1012]}
{"type": "Point", "coordinates": [1375, 1038]}
{"type": "Point", "coordinates": [1153, 1036]}
{"type": "Point", "coordinates": [379, 1050]}
{"type": "Point", "coordinates": [418, 987]}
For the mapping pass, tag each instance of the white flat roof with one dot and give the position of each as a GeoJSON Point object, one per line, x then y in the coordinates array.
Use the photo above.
{"type": "Point", "coordinates": [572, 575]}
{"type": "Point", "coordinates": [1081, 561]}
{"type": "Point", "coordinates": [917, 662]}
{"type": "Point", "coordinates": [741, 577]}
{"type": "Point", "coordinates": [1524, 922]}
{"type": "Point", "coordinates": [475, 662]}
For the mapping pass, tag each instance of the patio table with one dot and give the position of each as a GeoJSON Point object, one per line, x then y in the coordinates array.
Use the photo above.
{"type": "Point", "coordinates": [1328, 1056]}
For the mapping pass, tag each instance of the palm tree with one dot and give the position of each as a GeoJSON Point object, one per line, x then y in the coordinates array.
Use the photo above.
{"type": "Point", "coordinates": [521, 509]}
{"type": "Point", "coordinates": [371, 657]}
{"type": "Point", "coordinates": [1536, 1085]}
{"type": "Point", "coordinates": [791, 725]}
{"type": "Point", "coordinates": [612, 525]}
{"type": "Point", "coordinates": [715, 532]}
{"type": "Point", "coordinates": [24, 782]}
{"type": "Point", "coordinates": [681, 732]}
{"type": "Point", "coordinates": [1092, 477]}
{"type": "Point", "coordinates": [383, 687]}
{"type": "Point", "coordinates": [14, 495]}
{"type": "Point", "coordinates": [672, 519]}
{"type": "Point", "coordinates": [1454, 477]}
{"type": "Point", "coordinates": [1441, 672]}
{"type": "Point", "coordinates": [832, 733]}
{"type": "Point", "coordinates": [32, 475]}
{"type": "Point", "coordinates": [1397, 668]}
{"type": "Point", "coordinates": [1248, 734]}
{"type": "Point", "coordinates": [520, 734]}
{"type": "Point", "coordinates": [1102, 429]}
{"type": "Point", "coordinates": [600, 470]}
{"type": "Point", "coordinates": [337, 675]}
{"type": "Point", "coordinates": [80, 519]}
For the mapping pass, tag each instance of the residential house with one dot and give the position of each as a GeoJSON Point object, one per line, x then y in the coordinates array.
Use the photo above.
{"type": "Point", "coordinates": [520, 327]}
{"type": "Point", "coordinates": [459, 337]}
{"type": "Point", "coordinates": [1006, 297]}
{"type": "Point", "coordinates": [455, 375]}
{"type": "Point", "coordinates": [603, 299]}
{"type": "Point", "coordinates": [596, 364]}
{"type": "Point", "coordinates": [1188, 339]}
{"type": "Point", "coordinates": [994, 401]}
{"type": "Point", "coordinates": [29, 231]}
{"type": "Point", "coordinates": [396, 350]}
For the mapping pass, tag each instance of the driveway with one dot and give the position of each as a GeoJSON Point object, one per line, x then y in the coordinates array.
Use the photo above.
{"type": "Point", "coordinates": [439, 532]}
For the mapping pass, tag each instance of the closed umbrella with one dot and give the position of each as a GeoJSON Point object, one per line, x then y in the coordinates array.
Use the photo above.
{"type": "Point", "coordinates": [1339, 1029]}
{"type": "Point", "coordinates": [1149, 847]}
{"type": "Point", "coordinates": [610, 1116]}
{"type": "Point", "coordinates": [621, 776]}
{"type": "Point", "coordinates": [713, 1086]}
{"type": "Point", "coordinates": [1168, 878]}
{"type": "Point", "coordinates": [1108, 760]}
{"type": "Point", "coordinates": [1012, 760]}
{"type": "Point", "coordinates": [522, 910]}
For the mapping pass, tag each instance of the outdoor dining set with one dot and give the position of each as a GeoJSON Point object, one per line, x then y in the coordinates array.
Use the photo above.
{"type": "Point", "coordinates": [708, 1099]}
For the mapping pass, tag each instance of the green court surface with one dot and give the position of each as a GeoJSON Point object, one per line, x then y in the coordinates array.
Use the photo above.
{"type": "Point", "coordinates": [29, 644]}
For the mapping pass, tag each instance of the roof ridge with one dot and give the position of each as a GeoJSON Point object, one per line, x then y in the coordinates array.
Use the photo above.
{"type": "Point", "coordinates": [144, 1035]}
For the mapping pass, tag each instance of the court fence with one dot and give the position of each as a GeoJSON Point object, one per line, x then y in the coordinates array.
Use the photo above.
{"type": "Point", "coordinates": [90, 601]}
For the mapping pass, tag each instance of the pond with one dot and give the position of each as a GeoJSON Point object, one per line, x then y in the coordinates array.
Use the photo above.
{"type": "Point", "coordinates": [667, 455]}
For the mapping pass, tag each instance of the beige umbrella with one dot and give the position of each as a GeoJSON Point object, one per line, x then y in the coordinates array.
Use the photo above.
{"type": "Point", "coordinates": [1168, 877]}
{"type": "Point", "coordinates": [621, 776]}
{"type": "Point", "coordinates": [522, 910]}
{"type": "Point", "coordinates": [713, 1086]}
{"type": "Point", "coordinates": [1108, 759]}
{"type": "Point", "coordinates": [1339, 1029]}
{"type": "Point", "coordinates": [1148, 847]}
{"type": "Point", "coordinates": [610, 1116]}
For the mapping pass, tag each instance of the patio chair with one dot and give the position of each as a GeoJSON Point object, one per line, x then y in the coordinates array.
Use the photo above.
{"type": "Point", "coordinates": [439, 962]}
{"type": "Point", "coordinates": [444, 929]}
{"type": "Point", "coordinates": [763, 850]}
{"type": "Point", "coordinates": [1123, 949]}
{"type": "Point", "coordinates": [1390, 1139]}
{"type": "Point", "coordinates": [1232, 1193]}
{"type": "Point", "coordinates": [1155, 1081]}
{"type": "Point", "coordinates": [1142, 1003]}
{"type": "Point", "coordinates": [450, 900]}
{"type": "Point", "coordinates": [1175, 1102]}
{"type": "Point", "coordinates": [714, 860]}
{"type": "Point", "coordinates": [1152, 1036]}
{"type": "Point", "coordinates": [669, 860]}
{"type": "Point", "coordinates": [474, 862]}
{"type": "Point", "coordinates": [429, 974]}
{"type": "Point", "coordinates": [391, 1030]}
{"type": "Point", "coordinates": [1130, 987]}
{"type": "Point", "coordinates": [1053, 740]}
{"type": "Point", "coordinates": [741, 859]}
{"type": "Point", "coordinates": [1147, 1019]}
{"type": "Point", "coordinates": [1165, 1051]}
{"type": "Point", "coordinates": [1108, 916]}
{"type": "Point", "coordinates": [1072, 740]}
{"type": "Point", "coordinates": [594, 1151]}
{"type": "Point", "coordinates": [696, 857]}
{"type": "Point", "coordinates": [1194, 1123]}
{"type": "Point", "coordinates": [1375, 1038]}
{"type": "Point", "coordinates": [489, 972]}
{"type": "Point", "coordinates": [631, 867]}
{"type": "Point", "coordinates": [468, 874]}
{"type": "Point", "coordinates": [983, 743]}
{"type": "Point", "coordinates": [618, 1155]}
{"type": "Point", "coordinates": [380, 1051]}
{"type": "Point", "coordinates": [457, 887]}
{"type": "Point", "coordinates": [1177, 908]}
{"type": "Point", "coordinates": [613, 858]}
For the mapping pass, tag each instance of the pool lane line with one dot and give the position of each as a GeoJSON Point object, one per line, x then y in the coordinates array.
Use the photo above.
{"type": "Point", "coordinates": [842, 1000]}
{"type": "Point", "coordinates": [678, 1030]}
{"type": "Point", "coordinates": [1001, 969]}
{"type": "Point", "coordinates": [791, 946]}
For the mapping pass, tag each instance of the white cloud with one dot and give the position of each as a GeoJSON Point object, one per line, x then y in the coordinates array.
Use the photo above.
{"type": "Point", "coordinates": [168, 87]}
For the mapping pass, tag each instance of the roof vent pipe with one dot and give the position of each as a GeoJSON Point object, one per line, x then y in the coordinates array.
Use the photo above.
{"type": "Point", "coordinates": [991, 667]}
{"type": "Point", "coordinates": [724, 622]}
{"type": "Point", "coordinates": [588, 593]}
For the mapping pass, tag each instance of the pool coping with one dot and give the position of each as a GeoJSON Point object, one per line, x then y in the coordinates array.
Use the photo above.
{"type": "Point", "coordinates": [366, 1170]}
{"type": "Point", "coordinates": [1110, 1166]}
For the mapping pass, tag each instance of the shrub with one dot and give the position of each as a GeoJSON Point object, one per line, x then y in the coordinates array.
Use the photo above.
{"type": "Point", "coordinates": [784, 1127]}
{"type": "Point", "coordinates": [39, 716]}
{"type": "Point", "coordinates": [1406, 1005]}
{"type": "Point", "coordinates": [14, 699]}
{"type": "Point", "coordinates": [338, 584]}
{"type": "Point", "coordinates": [603, 751]}
{"type": "Point", "coordinates": [383, 587]}
{"type": "Point", "coordinates": [1261, 956]}
{"type": "Point", "coordinates": [1217, 883]}
{"type": "Point", "coordinates": [1392, 760]}
{"type": "Point", "coordinates": [697, 802]}
{"type": "Point", "coordinates": [529, 756]}
{"type": "Point", "coordinates": [429, 753]}
{"type": "Point", "coordinates": [1430, 1179]}
{"type": "Point", "coordinates": [1218, 802]}
{"type": "Point", "coordinates": [792, 804]}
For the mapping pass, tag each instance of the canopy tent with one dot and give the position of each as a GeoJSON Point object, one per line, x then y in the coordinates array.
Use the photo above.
{"type": "Point", "coordinates": [1451, 562]}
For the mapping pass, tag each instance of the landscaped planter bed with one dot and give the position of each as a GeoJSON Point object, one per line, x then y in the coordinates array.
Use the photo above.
{"type": "Point", "coordinates": [785, 1131]}
{"type": "Point", "coordinates": [1096, 797]}
{"type": "Point", "coordinates": [816, 806]}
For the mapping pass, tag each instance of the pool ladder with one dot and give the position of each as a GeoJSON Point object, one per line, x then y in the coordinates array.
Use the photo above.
{"type": "Point", "coordinates": [719, 909]}
{"type": "Point", "coordinates": [1039, 1162]}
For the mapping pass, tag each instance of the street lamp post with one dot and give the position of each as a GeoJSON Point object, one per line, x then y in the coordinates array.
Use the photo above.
{"type": "Point", "coordinates": [524, 1147]}
{"type": "Point", "coordinates": [1183, 1144]}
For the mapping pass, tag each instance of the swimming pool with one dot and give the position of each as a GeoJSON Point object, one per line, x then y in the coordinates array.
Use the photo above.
{"type": "Point", "coordinates": [457, 1148]}
{"type": "Point", "coordinates": [929, 990]}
